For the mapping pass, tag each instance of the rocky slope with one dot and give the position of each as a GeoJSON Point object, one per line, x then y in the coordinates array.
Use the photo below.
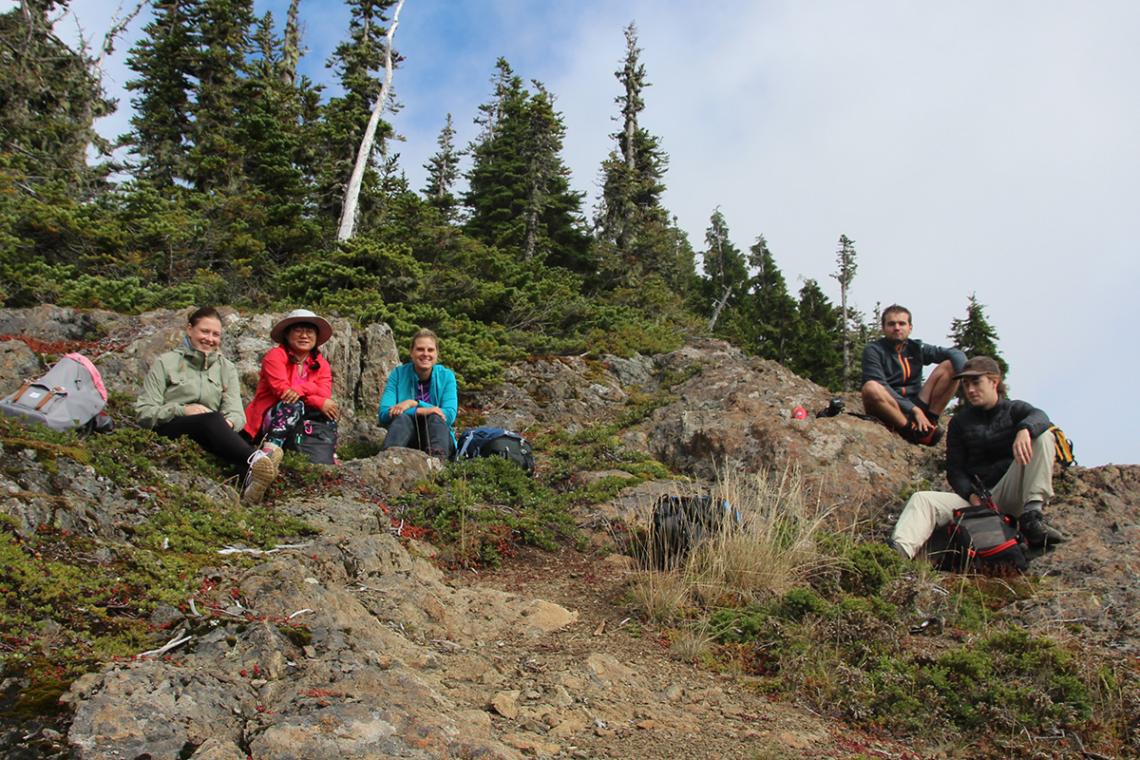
{"type": "Point", "coordinates": [355, 645]}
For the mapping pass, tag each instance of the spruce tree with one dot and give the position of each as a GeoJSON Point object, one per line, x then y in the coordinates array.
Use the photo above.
{"type": "Point", "coordinates": [49, 99]}
{"type": "Point", "coordinates": [975, 336]}
{"type": "Point", "coordinates": [161, 124]}
{"type": "Point", "coordinates": [496, 191]}
{"type": "Point", "coordinates": [726, 274]}
{"type": "Point", "coordinates": [519, 193]}
{"type": "Point", "coordinates": [772, 316]}
{"type": "Point", "coordinates": [818, 354]}
{"type": "Point", "coordinates": [224, 30]}
{"type": "Point", "coordinates": [630, 218]}
{"type": "Point", "coordinates": [443, 172]}
{"type": "Point", "coordinates": [291, 49]}
{"type": "Point", "coordinates": [272, 136]}
{"type": "Point", "coordinates": [845, 274]}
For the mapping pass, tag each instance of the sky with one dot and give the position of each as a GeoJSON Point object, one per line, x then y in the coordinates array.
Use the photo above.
{"type": "Point", "coordinates": [970, 147]}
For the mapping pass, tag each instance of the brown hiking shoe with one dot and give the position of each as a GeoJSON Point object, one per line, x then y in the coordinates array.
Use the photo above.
{"type": "Point", "coordinates": [262, 471]}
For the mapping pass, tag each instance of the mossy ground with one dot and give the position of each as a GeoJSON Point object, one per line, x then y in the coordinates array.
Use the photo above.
{"type": "Point", "coordinates": [840, 642]}
{"type": "Point", "coordinates": [70, 603]}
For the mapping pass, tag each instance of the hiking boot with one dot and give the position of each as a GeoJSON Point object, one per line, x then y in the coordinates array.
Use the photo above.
{"type": "Point", "coordinates": [901, 551]}
{"type": "Point", "coordinates": [929, 438]}
{"type": "Point", "coordinates": [1037, 532]}
{"type": "Point", "coordinates": [275, 452]}
{"type": "Point", "coordinates": [262, 470]}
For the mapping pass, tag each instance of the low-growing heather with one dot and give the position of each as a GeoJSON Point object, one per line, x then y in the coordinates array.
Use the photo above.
{"type": "Point", "coordinates": [850, 629]}
{"type": "Point", "coordinates": [68, 602]}
{"type": "Point", "coordinates": [479, 510]}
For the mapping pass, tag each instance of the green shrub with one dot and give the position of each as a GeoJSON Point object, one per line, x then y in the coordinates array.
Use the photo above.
{"type": "Point", "coordinates": [801, 602]}
{"type": "Point", "coordinates": [740, 625]}
{"type": "Point", "coordinates": [479, 511]}
{"type": "Point", "coordinates": [866, 568]}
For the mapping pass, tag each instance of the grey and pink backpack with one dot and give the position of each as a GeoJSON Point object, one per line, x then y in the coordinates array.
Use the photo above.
{"type": "Point", "coordinates": [70, 396]}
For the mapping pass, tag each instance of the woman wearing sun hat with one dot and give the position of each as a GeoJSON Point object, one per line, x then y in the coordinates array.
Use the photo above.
{"type": "Point", "coordinates": [295, 381]}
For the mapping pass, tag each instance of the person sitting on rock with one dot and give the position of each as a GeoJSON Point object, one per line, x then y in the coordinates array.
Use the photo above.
{"type": "Point", "coordinates": [295, 381]}
{"type": "Point", "coordinates": [893, 390]}
{"type": "Point", "coordinates": [420, 401]}
{"type": "Point", "coordinates": [194, 391]}
{"type": "Point", "coordinates": [1007, 445]}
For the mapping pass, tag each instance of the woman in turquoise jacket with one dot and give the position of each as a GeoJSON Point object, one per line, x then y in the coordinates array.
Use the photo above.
{"type": "Point", "coordinates": [420, 401]}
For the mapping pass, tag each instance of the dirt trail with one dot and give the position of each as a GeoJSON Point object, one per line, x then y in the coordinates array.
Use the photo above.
{"type": "Point", "coordinates": [637, 698]}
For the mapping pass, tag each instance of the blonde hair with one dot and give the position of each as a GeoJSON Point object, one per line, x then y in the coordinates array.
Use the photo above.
{"type": "Point", "coordinates": [424, 333]}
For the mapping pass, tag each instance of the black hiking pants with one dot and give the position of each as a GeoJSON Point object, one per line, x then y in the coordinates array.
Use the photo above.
{"type": "Point", "coordinates": [426, 432]}
{"type": "Point", "coordinates": [213, 433]}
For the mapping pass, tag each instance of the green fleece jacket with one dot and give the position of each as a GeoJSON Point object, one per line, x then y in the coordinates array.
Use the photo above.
{"type": "Point", "coordinates": [188, 376]}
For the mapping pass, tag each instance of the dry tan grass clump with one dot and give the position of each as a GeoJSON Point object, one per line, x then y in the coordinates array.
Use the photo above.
{"type": "Point", "coordinates": [765, 546]}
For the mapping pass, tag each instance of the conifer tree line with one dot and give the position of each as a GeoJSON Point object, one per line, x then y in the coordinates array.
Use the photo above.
{"type": "Point", "coordinates": [228, 186]}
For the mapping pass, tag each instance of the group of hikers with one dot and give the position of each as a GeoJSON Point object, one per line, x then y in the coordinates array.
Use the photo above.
{"type": "Point", "coordinates": [194, 391]}
{"type": "Point", "coordinates": [993, 445]}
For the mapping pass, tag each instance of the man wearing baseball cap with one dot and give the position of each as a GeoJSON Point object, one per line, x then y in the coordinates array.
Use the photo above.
{"type": "Point", "coordinates": [1007, 445]}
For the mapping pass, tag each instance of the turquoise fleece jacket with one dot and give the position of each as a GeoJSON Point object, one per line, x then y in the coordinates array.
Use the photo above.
{"type": "Point", "coordinates": [401, 386]}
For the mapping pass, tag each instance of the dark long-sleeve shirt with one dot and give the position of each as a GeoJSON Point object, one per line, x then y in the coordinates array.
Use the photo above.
{"type": "Point", "coordinates": [898, 366]}
{"type": "Point", "coordinates": [980, 442]}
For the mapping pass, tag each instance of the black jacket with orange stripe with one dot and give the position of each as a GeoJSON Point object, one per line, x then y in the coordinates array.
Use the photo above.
{"type": "Point", "coordinates": [898, 366]}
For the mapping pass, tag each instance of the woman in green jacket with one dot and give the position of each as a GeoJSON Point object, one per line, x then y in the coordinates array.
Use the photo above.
{"type": "Point", "coordinates": [194, 391]}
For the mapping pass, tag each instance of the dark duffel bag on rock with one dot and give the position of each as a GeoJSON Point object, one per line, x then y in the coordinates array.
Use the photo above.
{"type": "Point", "coordinates": [316, 439]}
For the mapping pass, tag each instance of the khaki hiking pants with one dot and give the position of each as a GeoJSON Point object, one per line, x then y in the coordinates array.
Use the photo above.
{"type": "Point", "coordinates": [926, 511]}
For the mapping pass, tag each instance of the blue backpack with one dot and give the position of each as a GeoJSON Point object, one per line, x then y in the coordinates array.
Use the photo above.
{"type": "Point", "coordinates": [496, 441]}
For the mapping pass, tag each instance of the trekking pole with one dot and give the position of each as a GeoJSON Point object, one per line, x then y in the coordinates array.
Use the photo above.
{"type": "Point", "coordinates": [983, 493]}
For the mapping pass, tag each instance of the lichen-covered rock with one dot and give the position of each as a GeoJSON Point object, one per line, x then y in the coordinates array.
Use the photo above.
{"type": "Point", "coordinates": [392, 471]}
{"type": "Point", "coordinates": [346, 645]}
{"type": "Point", "coordinates": [66, 495]}
{"type": "Point", "coordinates": [17, 363]}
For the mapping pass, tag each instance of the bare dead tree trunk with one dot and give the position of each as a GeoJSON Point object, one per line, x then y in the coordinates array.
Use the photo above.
{"type": "Point", "coordinates": [352, 192]}
{"type": "Point", "coordinates": [291, 53]}
{"type": "Point", "coordinates": [118, 26]}
{"type": "Point", "coordinates": [719, 307]}
{"type": "Point", "coordinates": [845, 333]}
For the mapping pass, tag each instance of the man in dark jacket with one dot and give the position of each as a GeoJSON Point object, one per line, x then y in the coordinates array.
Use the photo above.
{"type": "Point", "coordinates": [1007, 445]}
{"type": "Point", "coordinates": [893, 389]}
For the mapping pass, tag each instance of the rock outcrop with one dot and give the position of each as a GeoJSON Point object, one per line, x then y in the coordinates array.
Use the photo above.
{"type": "Point", "coordinates": [354, 644]}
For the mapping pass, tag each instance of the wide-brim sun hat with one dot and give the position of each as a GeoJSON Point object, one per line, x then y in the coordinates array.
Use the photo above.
{"type": "Point", "coordinates": [324, 329]}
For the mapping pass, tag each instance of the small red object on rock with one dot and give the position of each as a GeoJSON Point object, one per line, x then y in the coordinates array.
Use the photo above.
{"type": "Point", "coordinates": [799, 413]}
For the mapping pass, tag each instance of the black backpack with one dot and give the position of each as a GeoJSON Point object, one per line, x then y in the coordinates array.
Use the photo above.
{"type": "Point", "coordinates": [496, 442]}
{"type": "Point", "coordinates": [681, 522]}
{"type": "Point", "coordinates": [980, 539]}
